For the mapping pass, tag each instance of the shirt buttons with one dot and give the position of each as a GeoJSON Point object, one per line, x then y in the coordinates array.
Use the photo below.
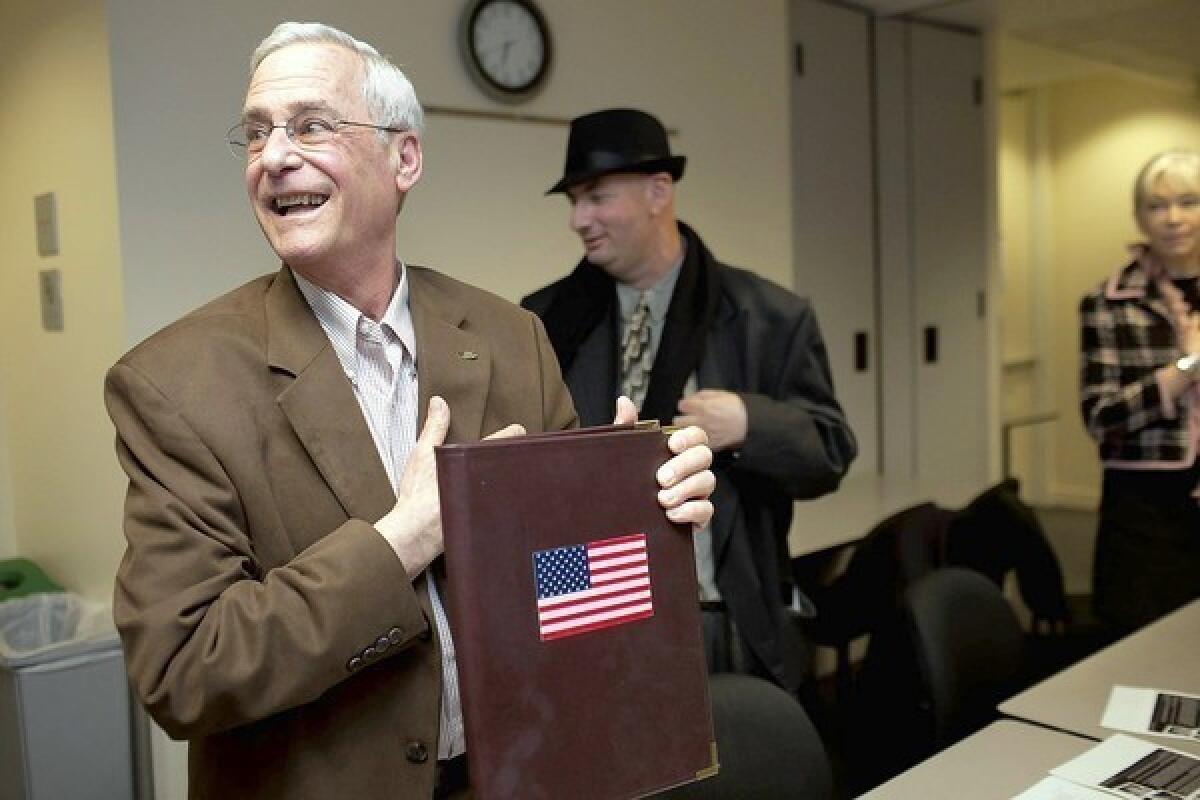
{"type": "Point", "coordinates": [416, 753]}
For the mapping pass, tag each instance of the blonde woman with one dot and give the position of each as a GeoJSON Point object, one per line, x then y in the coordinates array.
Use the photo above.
{"type": "Point", "coordinates": [1141, 403]}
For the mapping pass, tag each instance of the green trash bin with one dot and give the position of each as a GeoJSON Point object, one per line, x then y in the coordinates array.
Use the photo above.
{"type": "Point", "coordinates": [20, 577]}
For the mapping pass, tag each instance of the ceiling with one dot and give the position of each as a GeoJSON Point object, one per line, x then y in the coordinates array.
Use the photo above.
{"type": "Point", "coordinates": [1158, 37]}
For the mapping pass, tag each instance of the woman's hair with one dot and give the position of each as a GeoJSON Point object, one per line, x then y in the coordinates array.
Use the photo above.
{"type": "Point", "coordinates": [388, 93]}
{"type": "Point", "coordinates": [1179, 167]}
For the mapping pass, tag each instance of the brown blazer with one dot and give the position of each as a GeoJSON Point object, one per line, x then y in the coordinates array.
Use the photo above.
{"type": "Point", "coordinates": [253, 584]}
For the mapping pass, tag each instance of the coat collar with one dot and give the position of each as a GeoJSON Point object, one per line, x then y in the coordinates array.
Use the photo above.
{"type": "Point", "coordinates": [318, 400]}
{"type": "Point", "coordinates": [1134, 280]}
{"type": "Point", "coordinates": [452, 361]}
{"type": "Point", "coordinates": [1146, 281]}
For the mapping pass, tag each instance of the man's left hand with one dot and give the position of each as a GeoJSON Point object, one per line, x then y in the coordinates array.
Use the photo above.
{"type": "Point", "coordinates": [720, 413]}
{"type": "Point", "coordinates": [685, 479]}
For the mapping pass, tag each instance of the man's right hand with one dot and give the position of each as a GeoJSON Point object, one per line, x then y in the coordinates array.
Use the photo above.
{"type": "Point", "coordinates": [414, 525]}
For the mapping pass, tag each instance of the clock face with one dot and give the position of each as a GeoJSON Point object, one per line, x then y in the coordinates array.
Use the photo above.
{"type": "Point", "coordinates": [508, 45]}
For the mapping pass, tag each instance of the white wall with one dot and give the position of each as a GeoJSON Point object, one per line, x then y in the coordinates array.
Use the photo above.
{"type": "Point", "coordinates": [8, 533]}
{"type": "Point", "coordinates": [708, 68]}
{"type": "Point", "coordinates": [60, 491]}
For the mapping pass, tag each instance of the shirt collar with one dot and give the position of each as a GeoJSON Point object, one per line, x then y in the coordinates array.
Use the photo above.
{"type": "Point", "coordinates": [658, 296]}
{"type": "Point", "coordinates": [341, 320]}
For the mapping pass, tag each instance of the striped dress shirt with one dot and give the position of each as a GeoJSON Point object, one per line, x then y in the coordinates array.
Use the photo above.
{"type": "Point", "coordinates": [379, 359]}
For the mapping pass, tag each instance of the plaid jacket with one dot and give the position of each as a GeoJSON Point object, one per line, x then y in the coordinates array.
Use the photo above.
{"type": "Point", "coordinates": [1129, 331]}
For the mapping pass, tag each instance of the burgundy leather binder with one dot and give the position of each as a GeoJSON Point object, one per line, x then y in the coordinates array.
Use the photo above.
{"type": "Point", "coordinates": [573, 603]}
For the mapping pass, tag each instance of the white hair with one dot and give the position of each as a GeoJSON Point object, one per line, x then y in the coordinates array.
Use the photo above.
{"type": "Point", "coordinates": [389, 95]}
{"type": "Point", "coordinates": [1181, 168]}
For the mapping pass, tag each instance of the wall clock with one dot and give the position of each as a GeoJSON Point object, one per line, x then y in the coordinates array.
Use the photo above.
{"type": "Point", "coordinates": [506, 44]}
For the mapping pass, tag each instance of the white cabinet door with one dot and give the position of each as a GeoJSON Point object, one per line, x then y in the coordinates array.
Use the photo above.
{"type": "Point", "coordinates": [949, 247]}
{"type": "Point", "coordinates": [889, 219]}
{"type": "Point", "coordinates": [833, 202]}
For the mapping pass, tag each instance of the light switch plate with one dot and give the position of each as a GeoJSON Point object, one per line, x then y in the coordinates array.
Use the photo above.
{"type": "Point", "coordinates": [50, 289]}
{"type": "Point", "coordinates": [45, 212]}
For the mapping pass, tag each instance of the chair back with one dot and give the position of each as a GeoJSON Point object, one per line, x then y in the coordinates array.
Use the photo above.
{"type": "Point", "coordinates": [885, 562]}
{"type": "Point", "coordinates": [997, 533]}
{"type": "Point", "coordinates": [970, 647]}
{"type": "Point", "coordinates": [935, 670]}
{"type": "Point", "coordinates": [766, 745]}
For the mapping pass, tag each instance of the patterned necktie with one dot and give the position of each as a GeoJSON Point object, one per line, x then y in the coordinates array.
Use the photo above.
{"type": "Point", "coordinates": [635, 354]}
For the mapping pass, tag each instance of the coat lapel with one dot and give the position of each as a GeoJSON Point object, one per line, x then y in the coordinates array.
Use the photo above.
{"type": "Point", "coordinates": [592, 377]}
{"type": "Point", "coordinates": [319, 402]}
{"type": "Point", "coordinates": [452, 362]}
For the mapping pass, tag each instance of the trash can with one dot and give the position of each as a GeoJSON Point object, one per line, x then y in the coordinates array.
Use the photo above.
{"type": "Point", "coordinates": [65, 728]}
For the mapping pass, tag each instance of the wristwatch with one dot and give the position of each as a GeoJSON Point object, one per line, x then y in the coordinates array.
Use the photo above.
{"type": "Point", "coordinates": [1189, 365]}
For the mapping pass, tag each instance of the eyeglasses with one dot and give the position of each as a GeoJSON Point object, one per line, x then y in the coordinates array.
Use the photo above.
{"type": "Point", "coordinates": [308, 130]}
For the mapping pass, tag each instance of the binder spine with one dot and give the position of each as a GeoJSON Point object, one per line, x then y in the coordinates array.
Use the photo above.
{"type": "Point", "coordinates": [453, 468]}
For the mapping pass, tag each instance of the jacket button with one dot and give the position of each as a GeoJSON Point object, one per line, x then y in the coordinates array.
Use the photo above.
{"type": "Point", "coordinates": [383, 643]}
{"type": "Point", "coordinates": [370, 654]}
{"type": "Point", "coordinates": [354, 664]}
{"type": "Point", "coordinates": [416, 753]}
{"type": "Point", "coordinates": [395, 636]}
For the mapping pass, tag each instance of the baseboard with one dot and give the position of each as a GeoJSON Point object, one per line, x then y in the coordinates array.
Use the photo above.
{"type": "Point", "coordinates": [1076, 498]}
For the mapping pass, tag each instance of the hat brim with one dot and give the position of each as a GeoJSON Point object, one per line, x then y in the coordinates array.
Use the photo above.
{"type": "Point", "coordinates": [672, 165]}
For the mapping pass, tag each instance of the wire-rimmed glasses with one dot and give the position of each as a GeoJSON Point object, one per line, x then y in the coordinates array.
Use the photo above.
{"type": "Point", "coordinates": [307, 129]}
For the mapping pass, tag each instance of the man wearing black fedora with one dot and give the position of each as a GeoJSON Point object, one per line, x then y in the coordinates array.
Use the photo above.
{"type": "Point", "coordinates": [650, 313]}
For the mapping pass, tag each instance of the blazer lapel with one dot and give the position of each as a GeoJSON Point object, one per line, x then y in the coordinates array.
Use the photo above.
{"type": "Point", "coordinates": [451, 362]}
{"type": "Point", "coordinates": [318, 401]}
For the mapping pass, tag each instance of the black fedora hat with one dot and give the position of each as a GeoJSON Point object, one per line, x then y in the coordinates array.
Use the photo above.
{"type": "Point", "coordinates": [616, 140]}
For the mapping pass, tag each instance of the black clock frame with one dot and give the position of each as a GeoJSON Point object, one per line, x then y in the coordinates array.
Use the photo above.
{"type": "Point", "coordinates": [497, 91]}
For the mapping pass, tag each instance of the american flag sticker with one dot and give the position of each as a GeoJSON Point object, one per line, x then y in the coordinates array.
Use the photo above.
{"type": "Point", "coordinates": [586, 587]}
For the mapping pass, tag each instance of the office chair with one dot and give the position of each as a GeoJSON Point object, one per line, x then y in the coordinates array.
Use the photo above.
{"type": "Point", "coordinates": [997, 533]}
{"type": "Point", "coordinates": [896, 552]}
{"type": "Point", "coordinates": [934, 670]}
{"type": "Point", "coordinates": [766, 745]}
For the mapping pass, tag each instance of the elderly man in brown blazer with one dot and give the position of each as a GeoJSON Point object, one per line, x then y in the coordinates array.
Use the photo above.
{"type": "Point", "coordinates": [275, 600]}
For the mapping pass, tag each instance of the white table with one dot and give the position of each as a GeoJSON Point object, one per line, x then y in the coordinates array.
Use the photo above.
{"type": "Point", "coordinates": [1163, 655]}
{"type": "Point", "coordinates": [1002, 760]}
{"type": "Point", "coordinates": [866, 499]}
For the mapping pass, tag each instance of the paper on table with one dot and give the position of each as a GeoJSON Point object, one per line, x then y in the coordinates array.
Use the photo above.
{"type": "Point", "coordinates": [1155, 711]}
{"type": "Point", "coordinates": [1131, 767]}
{"type": "Point", "coordinates": [1052, 788]}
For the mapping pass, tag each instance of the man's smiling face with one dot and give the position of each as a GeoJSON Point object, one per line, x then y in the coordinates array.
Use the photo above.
{"type": "Point", "coordinates": [325, 206]}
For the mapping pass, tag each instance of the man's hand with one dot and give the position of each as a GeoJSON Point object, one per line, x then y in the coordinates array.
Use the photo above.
{"type": "Point", "coordinates": [414, 525]}
{"type": "Point", "coordinates": [626, 412]}
{"type": "Point", "coordinates": [721, 414]}
{"type": "Point", "coordinates": [685, 479]}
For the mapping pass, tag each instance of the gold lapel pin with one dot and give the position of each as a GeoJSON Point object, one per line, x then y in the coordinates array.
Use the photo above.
{"type": "Point", "coordinates": [468, 355]}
